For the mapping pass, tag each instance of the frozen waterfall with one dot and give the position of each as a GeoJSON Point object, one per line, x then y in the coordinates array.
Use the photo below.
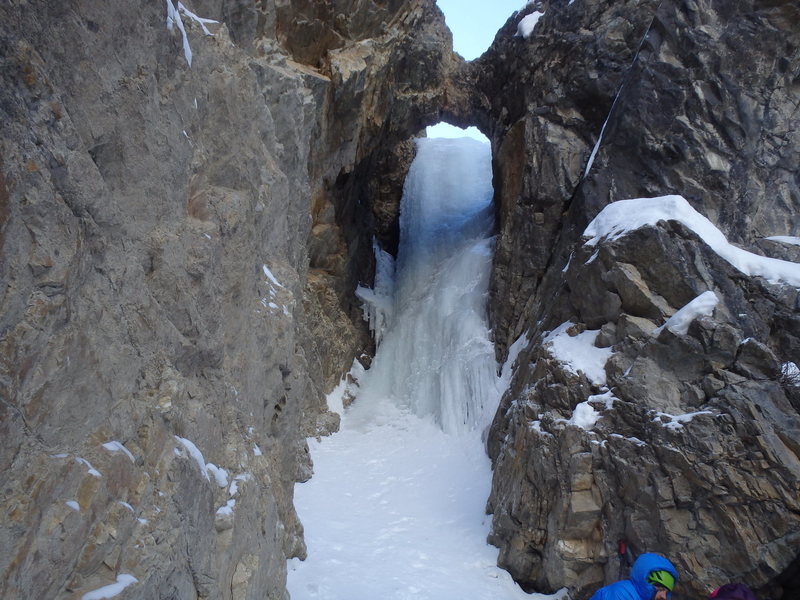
{"type": "Point", "coordinates": [435, 357]}
{"type": "Point", "coordinates": [395, 509]}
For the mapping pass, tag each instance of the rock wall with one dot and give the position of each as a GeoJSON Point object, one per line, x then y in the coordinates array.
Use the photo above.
{"type": "Point", "coordinates": [180, 240]}
{"type": "Point", "coordinates": [688, 98]}
{"type": "Point", "coordinates": [184, 215]}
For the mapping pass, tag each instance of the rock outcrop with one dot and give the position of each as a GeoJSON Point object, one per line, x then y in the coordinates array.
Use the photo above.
{"type": "Point", "coordinates": [608, 101]}
{"type": "Point", "coordinates": [181, 235]}
{"type": "Point", "coordinates": [186, 208]}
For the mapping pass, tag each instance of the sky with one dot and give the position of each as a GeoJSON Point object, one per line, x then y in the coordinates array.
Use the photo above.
{"type": "Point", "coordinates": [474, 24]}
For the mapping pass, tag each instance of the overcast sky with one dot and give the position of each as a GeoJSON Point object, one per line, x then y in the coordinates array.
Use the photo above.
{"type": "Point", "coordinates": [474, 24]}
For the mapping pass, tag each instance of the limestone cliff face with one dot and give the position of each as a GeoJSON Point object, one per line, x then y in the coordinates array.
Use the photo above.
{"type": "Point", "coordinates": [690, 98]}
{"type": "Point", "coordinates": [178, 261]}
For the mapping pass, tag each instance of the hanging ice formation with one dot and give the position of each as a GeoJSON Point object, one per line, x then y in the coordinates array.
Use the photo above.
{"type": "Point", "coordinates": [377, 302]}
{"type": "Point", "coordinates": [428, 311]}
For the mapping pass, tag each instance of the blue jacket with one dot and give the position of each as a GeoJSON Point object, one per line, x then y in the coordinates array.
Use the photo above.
{"type": "Point", "coordinates": [637, 588]}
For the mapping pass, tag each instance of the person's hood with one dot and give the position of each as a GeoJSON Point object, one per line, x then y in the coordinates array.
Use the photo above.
{"type": "Point", "coordinates": [644, 565]}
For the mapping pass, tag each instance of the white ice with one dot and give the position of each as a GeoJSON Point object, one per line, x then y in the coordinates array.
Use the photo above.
{"type": "Point", "coordinates": [396, 507]}
{"type": "Point", "coordinates": [377, 301]}
{"type": "Point", "coordinates": [437, 329]}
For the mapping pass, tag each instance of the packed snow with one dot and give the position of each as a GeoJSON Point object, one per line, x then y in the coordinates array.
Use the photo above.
{"type": "Point", "coordinates": [114, 446]}
{"type": "Point", "coordinates": [194, 453]}
{"type": "Point", "coordinates": [174, 20]}
{"type": "Point", "coordinates": [675, 422]}
{"type": "Point", "coordinates": [92, 471]}
{"type": "Point", "coordinates": [513, 353]}
{"type": "Point", "coordinates": [528, 22]}
{"type": "Point", "coordinates": [220, 475]}
{"type": "Point", "coordinates": [234, 488]}
{"type": "Point", "coordinates": [227, 508]}
{"type": "Point", "coordinates": [785, 239]}
{"type": "Point", "coordinates": [585, 415]}
{"type": "Point", "coordinates": [620, 217]}
{"type": "Point", "coordinates": [596, 146]}
{"type": "Point", "coordinates": [791, 372]}
{"type": "Point", "coordinates": [110, 591]}
{"type": "Point", "coordinates": [395, 509]}
{"type": "Point", "coordinates": [578, 352]}
{"type": "Point", "coordinates": [631, 439]}
{"type": "Point", "coordinates": [679, 323]}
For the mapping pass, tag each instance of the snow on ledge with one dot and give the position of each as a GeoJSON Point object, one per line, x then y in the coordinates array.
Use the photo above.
{"type": "Point", "coordinates": [785, 239]}
{"type": "Point", "coordinates": [92, 471]}
{"type": "Point", "coordinates": [227, 508]}
{"type": "Point", "coordinates": [578, 353]}
{"type": "Point", "coordinates": [109, 591]}
{"type": "Point", "coordinates": [220, 475]}
{"type": "Point", "coordinates": [618, 218]}
{"type": "Point", "coordinates": [526, 25]}
{"type": "Point", "coordinates": [195, 453]}
{"type": "Point", "coordinates": [514, 350]}
{"type": "Point", "coordinates": [631, 439]}
{"type": "Point", "coordinates": [115, 446]}
{"type": "Point", "coordinates": [679, 323]}
{"type": "Point", "coordinates": [675, 422]}
{"type": "Point", "coordinates": [585, 416]}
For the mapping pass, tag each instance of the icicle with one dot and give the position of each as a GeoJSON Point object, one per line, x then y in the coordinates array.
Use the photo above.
{"type": "Point", "coordinates": [377, 302]}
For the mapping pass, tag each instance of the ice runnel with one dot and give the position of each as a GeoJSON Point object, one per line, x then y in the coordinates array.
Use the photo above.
{"type": "Point", "coordinates": [435, 356]}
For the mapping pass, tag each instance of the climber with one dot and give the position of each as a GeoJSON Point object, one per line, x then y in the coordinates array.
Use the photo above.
{"type": "Point", "coordinates": [653, 577]}
{"type": "Point", "coordinates": [733, 591]}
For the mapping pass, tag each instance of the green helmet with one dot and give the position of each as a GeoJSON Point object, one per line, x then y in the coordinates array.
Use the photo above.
{"type": "Point", "coordinates": [662, 578]}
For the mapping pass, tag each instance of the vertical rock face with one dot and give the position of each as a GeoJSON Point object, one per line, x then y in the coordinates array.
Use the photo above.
{"type": "Point", "coordinates": [185, 211]}
{"type": "Point", "coordinates": [154, 250]}
{"type": "Point", "coordinates": [688, 98]}
{"type": "Point", "coordinates": [164, 345]}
